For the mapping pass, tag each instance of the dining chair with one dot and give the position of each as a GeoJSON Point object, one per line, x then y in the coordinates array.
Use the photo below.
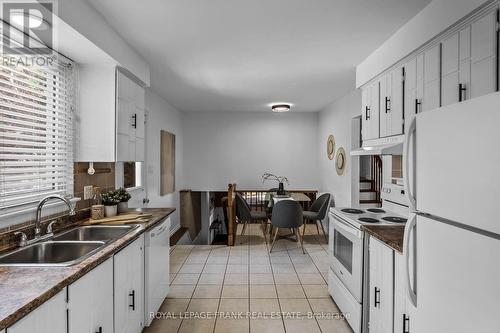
{"type": "Point", "coordinates": [245, 214]}
{"type": "Point", "coordinates": [317, 212]}
{"type": "Point", "coordinates": [287, 214]}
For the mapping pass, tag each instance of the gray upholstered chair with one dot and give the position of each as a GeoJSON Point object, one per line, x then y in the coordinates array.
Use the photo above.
{"type": "Point", "coordinates": [245, 214]}
{"type": "Point", "coordinates": [317, 212]}
{"type": "Point", "coordinates": [287, 214]}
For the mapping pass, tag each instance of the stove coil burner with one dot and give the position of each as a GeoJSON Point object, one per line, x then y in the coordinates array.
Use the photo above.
{"type": "Point", "coordinates": [376, 210]}
{"type": "Point", "coordinates": [368, 220]}
{"type": "Point", "coordinates": [352, 211]}
{"type": "Point", "coordinates": [395, 219]}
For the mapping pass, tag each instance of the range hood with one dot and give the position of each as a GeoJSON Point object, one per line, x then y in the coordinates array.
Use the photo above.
{"type": "Point", "coordinates": [384, 146]}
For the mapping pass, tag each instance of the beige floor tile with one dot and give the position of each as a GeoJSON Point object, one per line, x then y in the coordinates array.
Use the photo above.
{"type": "Point", "coordinates": [334, 326]}
{"type": "Point", "coordinates": [316, 291]}
{"type": "Point", "coordinates": [290, 291]}
{"type": "Point", "coordinates": [267, 326]}
{"type": "Point", "coordinates": [235, 291]}
{"type": "Point", "coordinates": [172, 277]}
{"type": "Point", "coordinates": [286, 278]}
{"type": "Point", "coordinates": [301, 325]}
{"type": "Point", "coordinates": [175, 267]}
{"type": "Point", "coordinates": [283, 268]}
{"type": "Point", "coordinates": [306, 268]}
{"type": "Point", "coordinates": [297, 305]}
{"type": "Point", "coordinates": [234, 305]}
{"type": "Point", "coordinates": [217, 260]}
{"type": "Point", "coordinates": [261, 279]}
{"type": "Point", "coordinates": [314, 278]}
{"type": "Point", "coordinates": [232, 325]}
{"type": "Point", "coordinates": [188, 278]}
{"type": "Point", "coordinates": [325, 305]}
{"type": "Point", "coordinates": [163, 325]}
{"type": "Point", "coordinates": [238, 260]}
{"type": "Point", "coordinates": [175, 305]}
{"type": "Point", "coordinates": [181, 291]}
{"type": "Point", "coordinates": [259, 260]}
{"type": "Point", "coordinates": [197, 326]}
{"type": "Point", "coordinates": [262, 291]}
{"type": "Point", "coordinates": [260, 269]}
{"type": "Point", "coordinates": [214, 268]}
{"type": "Point", "coordinates": [280, 260]}
{"type": "Point", "coordinates": [212, 278]}
{"type": "Point", "coordinates": [237, 269]}
{"type": "Point", "coordinates": [191, 268]}
{"type": "Point", "coordinates": [266, 306]}
{"type": "Point", "coordinates": [198, 305]}
{"type": "Point", "coordinates": [233, 279]}
{"type": "Point", "coordinates": [207, 291]}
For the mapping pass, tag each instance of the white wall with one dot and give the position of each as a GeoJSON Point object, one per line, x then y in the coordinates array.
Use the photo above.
{"type": "Point", "coordinates": [336, 119]}
{"type": "Point", "coordinates": [430, 22]}
{"type": "Point", "coordinates": [162, 116]}
{"type": "Point", "coordinates": [239, 147]}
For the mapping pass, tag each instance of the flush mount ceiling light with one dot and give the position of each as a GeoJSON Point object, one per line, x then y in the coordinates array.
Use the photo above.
{"type": "Point", "coordinates": [280, 107]}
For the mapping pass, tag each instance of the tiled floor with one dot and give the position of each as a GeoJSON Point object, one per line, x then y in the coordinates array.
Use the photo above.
{"type": "Point", "coordinates": [246, 289]}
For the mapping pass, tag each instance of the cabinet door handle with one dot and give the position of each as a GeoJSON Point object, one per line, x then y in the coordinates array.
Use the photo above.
{"type": "Point", "coordinates": [461, 90]}
{"type": "Point", "coordinates": [99, 330]}
{"type": "Point", "coordinates": [418, 103]}
{"type": "Point", "coordinates": [367, 115]}
{"type": "Point", "coordinates": [406, 323]}
{"type": "Point", "coordinates": [132, 294]}
{"type": "Point", "coordinates": [134, 117]}
{"type": "Point", "coordinates": [377, 297]}
{"type": "Point", "coordinates": [387, 101]}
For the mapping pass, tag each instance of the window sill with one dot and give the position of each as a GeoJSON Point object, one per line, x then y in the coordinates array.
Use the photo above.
{"type": "Point", "coordinates": [28, 214]}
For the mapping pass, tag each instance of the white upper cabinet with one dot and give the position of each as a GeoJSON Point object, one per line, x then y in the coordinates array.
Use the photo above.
{"type": "Point", "coordinates": [129, 119]}
{"type": "Point", "coordinates": [391, 103]}
{"type": "Point", "coordinates": [484, 55]}
{"type": "Point", "coordinates": [432, 78]}
{"type": "Point", "coordinates": [370, 114]}
{"type": "Point", "coordinates": [451, 88]}
{"type": "Point", "coordinates": [110, 116]}
{"type": "Point", "coordinates": [50, 317]}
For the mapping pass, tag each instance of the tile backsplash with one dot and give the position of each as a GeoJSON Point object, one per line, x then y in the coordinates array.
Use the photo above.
{"type": "Point", "coordinates": [104, 178]}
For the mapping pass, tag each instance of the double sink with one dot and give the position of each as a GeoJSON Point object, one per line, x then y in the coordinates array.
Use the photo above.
{"type": "Point", "coordinates": [68, 248]}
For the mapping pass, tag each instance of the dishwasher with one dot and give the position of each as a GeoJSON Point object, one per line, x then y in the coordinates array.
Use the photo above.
{"type": "Point", "coordinates": [157, 261]}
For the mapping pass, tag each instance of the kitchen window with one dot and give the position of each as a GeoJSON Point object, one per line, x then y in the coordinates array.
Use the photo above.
{"type": "Point", "coordinates": [36, 132]}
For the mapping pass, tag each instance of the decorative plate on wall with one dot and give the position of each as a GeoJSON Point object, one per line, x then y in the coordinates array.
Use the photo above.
{"type": "Point", "coordinates": [340, 161]}
{"type": "Point", "coordinates": [330, 147]}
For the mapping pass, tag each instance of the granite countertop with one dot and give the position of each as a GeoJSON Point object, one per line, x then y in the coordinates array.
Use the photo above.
{"type": "Point", "coordinates": [23, 289]}
{"type": "Point", "coordinates": [390, 235]}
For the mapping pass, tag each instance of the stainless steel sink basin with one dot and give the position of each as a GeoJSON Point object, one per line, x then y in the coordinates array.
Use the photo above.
{"type": "Point", "coordinates": [95, 233]}
{"type": "Point", "coordinates": [51, 253]}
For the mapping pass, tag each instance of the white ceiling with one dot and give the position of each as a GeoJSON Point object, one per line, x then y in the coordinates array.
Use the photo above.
{"type": "Point", "coordinates": [242, 55]}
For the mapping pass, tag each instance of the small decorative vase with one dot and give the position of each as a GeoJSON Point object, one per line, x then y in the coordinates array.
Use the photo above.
{"type": "Point", "coordinates": [281, 189]}
{"type": "Point", "coordinates": [122, 207]}
{"type": "Point", "coordinates": [97, 212]}
{"type": "Point", "coordinates": [111, 210]}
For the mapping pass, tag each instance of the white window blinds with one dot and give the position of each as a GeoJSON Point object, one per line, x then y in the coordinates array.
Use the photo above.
{"type": "Point", "coordinates": [36, 132]}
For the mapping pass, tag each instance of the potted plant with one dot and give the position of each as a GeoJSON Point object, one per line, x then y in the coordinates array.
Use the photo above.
{"type": "Point", "coordinates": [124, 197]}
{"type": "Point", "coordinates": [110, 201]}
{"type": "Point", "coordinates": [279, 179]}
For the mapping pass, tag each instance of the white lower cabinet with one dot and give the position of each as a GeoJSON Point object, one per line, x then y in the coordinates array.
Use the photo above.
{"type": "Point", "coordinates": [50, 317]}
{"type": "Point", "coordinates": [381, 296]}
{"type": "Point", "coordinates": [90, 301]}
{"type": "Point", "coordinates": [403, 309]}
{"type": "Point", "coordinates": [129, 288]}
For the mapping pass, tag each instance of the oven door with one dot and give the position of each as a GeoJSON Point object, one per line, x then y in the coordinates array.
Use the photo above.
{"type": "Point", "coordinates": [347, 255]}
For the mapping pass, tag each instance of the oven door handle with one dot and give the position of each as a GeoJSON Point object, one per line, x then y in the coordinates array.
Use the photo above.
{"type": "Point", "coordinates": [347, 228]}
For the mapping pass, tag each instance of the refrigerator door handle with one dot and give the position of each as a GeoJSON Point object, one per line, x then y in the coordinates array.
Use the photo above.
{"type": "Point", "coordinates": [410, 225]}
{"type": "Point", "coordinates": [406, 163]}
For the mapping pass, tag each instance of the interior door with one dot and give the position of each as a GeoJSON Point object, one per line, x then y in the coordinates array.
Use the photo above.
{"type": "Point", "coordinates": [457, 279]}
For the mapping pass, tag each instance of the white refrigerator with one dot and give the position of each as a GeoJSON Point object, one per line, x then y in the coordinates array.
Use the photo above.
{"type": "Point", "coordinates": [452, 239]}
